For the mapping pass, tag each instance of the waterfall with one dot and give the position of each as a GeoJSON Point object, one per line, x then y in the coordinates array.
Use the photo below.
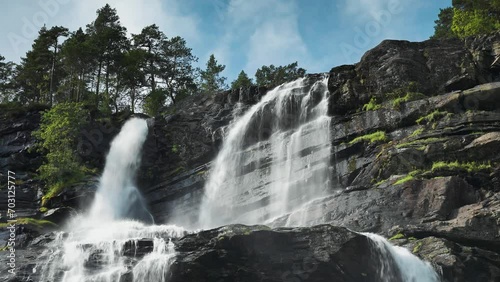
{"type": "Point", "coordinates": [410, 267]}
{"type": "Point", "coordinates": [274, 166]}
{"type": "Point", "coordinates": [112, 242]}
{"type": "Point", "coordinates": [117, 197]}
{"type": "Point", "coordinates": [288, 129]}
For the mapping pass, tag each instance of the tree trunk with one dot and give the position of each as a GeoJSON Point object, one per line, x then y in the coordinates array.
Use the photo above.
{"type": "Point", "coordinates": [98, 83]}
{"type": "Point", "coordinates": [107, 79]}
{"type": "Point", "coordinates": [51, 87]}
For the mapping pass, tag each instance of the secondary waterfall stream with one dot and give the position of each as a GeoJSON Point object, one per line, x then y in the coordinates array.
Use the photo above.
{"type": "Point", "coordinates": [286, 136]}
{"type": "Point", "coordinates": [101, 245]}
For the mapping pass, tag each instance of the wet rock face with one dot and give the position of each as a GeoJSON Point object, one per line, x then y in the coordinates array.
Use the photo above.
{"type": "Point", "coordinates": [16, 126]}
{"type": "Point", "coordinates": [433, 66]}
{"type": "Point", "coordinates": [245, 253]}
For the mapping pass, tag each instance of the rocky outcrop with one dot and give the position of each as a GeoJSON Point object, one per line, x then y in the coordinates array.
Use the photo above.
{"type": "Point", "coordinates": [245, 253]}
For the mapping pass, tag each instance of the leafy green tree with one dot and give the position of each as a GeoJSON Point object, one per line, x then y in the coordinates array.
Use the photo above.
{"type": "Point", "coordinates": [176, 68]}
{"type": "Point", "coordinates": [57, 136]}
{"type": "Point", "coordinates": [468, 17]}
{"type": "Point", "coordinates": [154, 102]}
{"type": "Point", "coordinates": [211, 79]}
{"type": "Point", "coordinates": [243, 81]}
{"type": "Point", "coordinates": [272, 76]}
{"type": "Point", "coordinates": [467, 23]}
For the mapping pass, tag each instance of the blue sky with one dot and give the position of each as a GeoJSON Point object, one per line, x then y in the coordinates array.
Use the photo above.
{"type": "Point", "coordinates": [243, 34]}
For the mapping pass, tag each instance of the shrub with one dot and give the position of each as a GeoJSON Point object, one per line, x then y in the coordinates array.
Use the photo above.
{"type": "Point", "coordinates": [57, 137]}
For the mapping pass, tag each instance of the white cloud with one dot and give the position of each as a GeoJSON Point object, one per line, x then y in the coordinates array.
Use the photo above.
{"type": "Point", "coordinates": [265, 30]}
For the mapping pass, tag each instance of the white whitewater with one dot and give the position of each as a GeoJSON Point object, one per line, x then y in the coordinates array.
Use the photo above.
{"type": "Point", "coordinates": [411, 268]}
{"type": "Point", "coordinates": [285, 114]}
{"type": "Point", "coordinates": [117, 197]}
{"type": "Point", "coordinates": [95, 247]}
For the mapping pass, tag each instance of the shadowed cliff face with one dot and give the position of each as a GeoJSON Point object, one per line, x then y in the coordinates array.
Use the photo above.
{"type": "Point", "coordinates": [433, 180]}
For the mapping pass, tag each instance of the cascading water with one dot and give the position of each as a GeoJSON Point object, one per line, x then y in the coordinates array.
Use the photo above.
{"type": "Point", "coordinates": [289, 129]}
{"type": "Point", "coordinates": [117, 197]}
{"type": "Point", "coordinates": [275, 161]}
{"type": "Point", "coordinates": [410, 267]}
{"type": "Point", "coordinates": [102, 244]}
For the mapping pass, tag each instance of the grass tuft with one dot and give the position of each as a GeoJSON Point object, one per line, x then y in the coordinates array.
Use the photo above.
{"type": "Point", "coordinates": [371, 138]}
{"type": "Point", "coordinates": [372, 105]}
{"type": "Point", "coordinates": [434, 116]}
{"type": "Point", "coordinates": [468, 166]}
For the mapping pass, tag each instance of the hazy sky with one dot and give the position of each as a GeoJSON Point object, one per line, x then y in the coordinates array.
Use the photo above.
{"type": "Point", "coordinates": [243, 34]}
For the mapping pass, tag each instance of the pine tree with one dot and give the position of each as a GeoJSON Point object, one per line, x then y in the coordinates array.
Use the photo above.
{"type": "Point", "coordinates": [33, 74]}
{"type": "Point", "coordinates": [243, 81]}
{"type": "Point", "coordinates": [108, 42]}
{"type": "Point", "coordinates": [272, 76]}
{"type": "Point", "coordinates": [442, 29]}
{"type": "Point", "coordinates": [176, 68]}
{"type": "Point", "coordinates": [211, 79]}
{"type": "Point", "coordinates": [131, 75]}
{"type": "Point", "coordinates": [78, 62]}
{"type": "Point", "coordinates": [151, 39]}
{"type": "Point", "coordinates": [6, 83]}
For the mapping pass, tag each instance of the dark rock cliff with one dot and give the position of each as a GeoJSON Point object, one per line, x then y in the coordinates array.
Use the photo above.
{"type": "Point", "coordinates": [433, 181]}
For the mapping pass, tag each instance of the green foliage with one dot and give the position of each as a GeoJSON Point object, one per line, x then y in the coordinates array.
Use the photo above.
{"type": "Point", "coordinates": [378, 136]}
{"type": "Point", "coordinates": [35, 223]}
{"type": "Point", "coordinates": [154, 102]}
{"type": "Point", "coordinates": [434, 116]}
{"type": "Point", "coordinates": [410, 176]}
{"type": "Point", "coordinates": [467, 166]}
{"type": "Point", "coordinates": [243, 81]}
{"type": "Point", "coordinates": [211, 79]}
{"type": "Point", "coordinates": [272, 76]}
{"type": "Point", "coordinates": [417, 132]}
{"type": "Point", "coordinates": [175, 149]}
{"type": "Point", "coordinates": [408, 97]}
{"type": "Point", "coordinates": [58, 136]}
{"type": "Point", "coordinates": [442, 29]}
{"type": "Point", "coordinates": [6, 80]}
{"type": "Point", "coordinates": [178, 73]}
{"type": "Point", "coordinates": [468, 17]}
{"type": "Point", "coordinates": [397, 236]}
{"type": "Point", "coordinates": [372, 105]}
{"type": "Point", "coordinates": [467, 23]}
{"type": "Point", "coordinates": [417, 247]}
